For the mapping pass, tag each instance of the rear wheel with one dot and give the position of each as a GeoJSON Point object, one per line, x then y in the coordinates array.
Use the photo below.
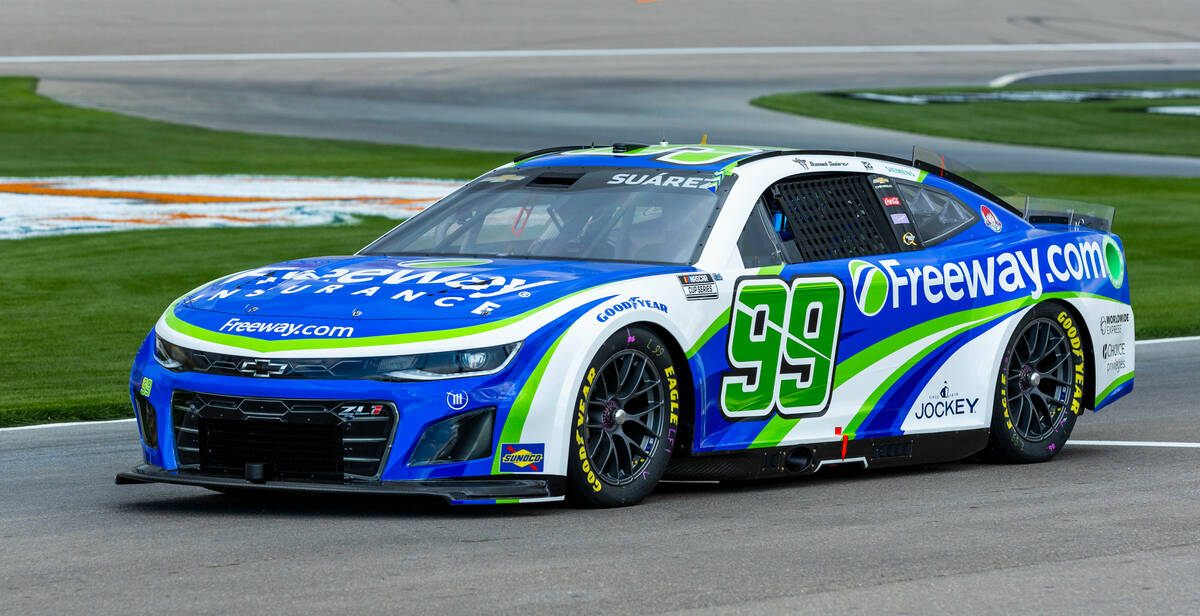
{"type": "Point", "coordinates": [1039, 389]}
{"type": "Point", "coordinates": [625, 420]}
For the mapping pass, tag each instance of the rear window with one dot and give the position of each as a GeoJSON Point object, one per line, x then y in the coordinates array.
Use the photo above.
{"type": "Point", "coordinates": [936, 213]}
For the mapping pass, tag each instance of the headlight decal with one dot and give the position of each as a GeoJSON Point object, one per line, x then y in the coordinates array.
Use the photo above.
{"type": "Point", "coordinates": [481, 361]}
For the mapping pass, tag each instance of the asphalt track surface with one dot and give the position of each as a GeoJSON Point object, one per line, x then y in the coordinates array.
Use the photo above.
{"type": "Point", "coordinates": [1101, 529]}
{"type": "Point", "coordinates": [526, 103]}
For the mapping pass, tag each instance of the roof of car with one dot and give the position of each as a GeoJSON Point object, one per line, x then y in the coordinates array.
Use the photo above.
{"type": "Point", "coordinates": [708, 157]}
{"type": "Point", "coordinates": [698, 157]}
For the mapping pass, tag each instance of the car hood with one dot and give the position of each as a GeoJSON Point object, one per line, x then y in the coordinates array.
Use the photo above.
{"type": "Point", "coordinates": [364, 288]}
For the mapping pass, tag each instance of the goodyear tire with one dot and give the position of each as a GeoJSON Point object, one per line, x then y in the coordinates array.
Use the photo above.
{"type": "Point", "coordinates": [1039, 390]}
{"type": "Point", "coordinates": [625, 420]}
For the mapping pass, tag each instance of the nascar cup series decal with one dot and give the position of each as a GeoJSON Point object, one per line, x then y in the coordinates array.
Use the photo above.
{"type": "Point", "coordinates": [698, 286]}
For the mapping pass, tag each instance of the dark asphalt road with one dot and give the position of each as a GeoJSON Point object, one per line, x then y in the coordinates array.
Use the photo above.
{"type": "Point", "coordinates": [1098, 530]}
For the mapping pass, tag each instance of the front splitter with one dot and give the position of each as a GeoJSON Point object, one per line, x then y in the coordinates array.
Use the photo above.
{"type": "Point", "coordinates": [470, 491]}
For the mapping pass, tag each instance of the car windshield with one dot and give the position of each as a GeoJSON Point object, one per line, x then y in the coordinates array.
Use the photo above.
{"type": "Point", "coordinates": [610, 214]}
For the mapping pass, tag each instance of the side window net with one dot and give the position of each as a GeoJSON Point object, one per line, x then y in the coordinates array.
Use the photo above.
{"type": "Point", "coordinates": [938, 215]}
{"type": "Point", "coordinates": [834, 217]}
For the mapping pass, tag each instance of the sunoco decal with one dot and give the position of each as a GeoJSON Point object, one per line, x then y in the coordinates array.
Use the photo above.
{"type": "Point", "coordinates": [522, 457]}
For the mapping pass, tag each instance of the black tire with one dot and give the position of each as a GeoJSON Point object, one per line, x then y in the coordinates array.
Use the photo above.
{"type": "Point", "coordinates": [1039, 390]}
{"type": "Point", "coordinates": [625, 422]}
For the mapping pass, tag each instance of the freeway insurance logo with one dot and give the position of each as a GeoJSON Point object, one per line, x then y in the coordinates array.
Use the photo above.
{"type": "Point", "coordinates": [870, 287]}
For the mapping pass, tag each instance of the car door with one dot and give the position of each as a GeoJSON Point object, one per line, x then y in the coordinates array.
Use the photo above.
{"type": "Point", "coordinates": [800, 310]}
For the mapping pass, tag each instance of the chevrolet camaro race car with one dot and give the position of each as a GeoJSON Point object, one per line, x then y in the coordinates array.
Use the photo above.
{"type": "Point", "coordinates": [584, 322]}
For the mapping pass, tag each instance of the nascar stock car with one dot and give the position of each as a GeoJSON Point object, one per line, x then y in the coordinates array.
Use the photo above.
{"type": "Point", "coordinates": [586, 321]}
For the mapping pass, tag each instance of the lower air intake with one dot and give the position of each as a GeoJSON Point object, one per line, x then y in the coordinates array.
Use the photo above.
{"type": "Point", "coordinates": [291, 439]}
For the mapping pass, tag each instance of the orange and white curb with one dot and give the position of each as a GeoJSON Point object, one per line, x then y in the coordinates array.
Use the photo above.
{"type": "Point", "coordinates": [31, 207]}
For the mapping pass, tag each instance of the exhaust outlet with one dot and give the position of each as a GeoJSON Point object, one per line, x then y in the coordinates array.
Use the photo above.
{"type": "Point", "coordinates": [798, 459]}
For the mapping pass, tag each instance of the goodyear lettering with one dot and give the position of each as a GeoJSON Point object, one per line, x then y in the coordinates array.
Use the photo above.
{"type": "Point", "coordinates": [1080, 380]}
{"type": "Point", "coordinates": [580, 420]}
{"type": "Point", "coordinates": [629, 304]}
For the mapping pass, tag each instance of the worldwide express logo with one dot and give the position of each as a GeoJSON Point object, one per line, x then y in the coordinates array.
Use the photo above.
{"type": "Point", "coordinates": [522, 457]}
{"type": "Point", "coordinates": [891, 283]}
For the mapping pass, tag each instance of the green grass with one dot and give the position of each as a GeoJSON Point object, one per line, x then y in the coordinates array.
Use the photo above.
{"type": "Point", "coordinates": [1115, 126]}
{"type": "Point", "coordinates": [75, 308]}
{"type": "Point", "coordinates": [41, 137]}
{"type": "Point", "coordinates": [1158, 220]}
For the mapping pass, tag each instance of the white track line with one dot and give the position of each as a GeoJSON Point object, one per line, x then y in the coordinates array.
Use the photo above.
{"type": "Point", "coordinates": [1134, 444]}
{"type": "Point", "coordinates": [67, 425]}
{"type": "Point", "coordinates": [577, 53]}
{"type": "Point", "coordinates": [1167, 340]}
{"type": "Point", "coordinates": [1005, 80]}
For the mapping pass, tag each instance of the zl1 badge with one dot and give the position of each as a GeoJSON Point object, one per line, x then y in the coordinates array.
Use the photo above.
{"type": "Point", "coordinates": [522, 457]}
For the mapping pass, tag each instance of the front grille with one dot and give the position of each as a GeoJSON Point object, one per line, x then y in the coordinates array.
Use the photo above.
{"type": "Point", "coordinates": [293, 439]}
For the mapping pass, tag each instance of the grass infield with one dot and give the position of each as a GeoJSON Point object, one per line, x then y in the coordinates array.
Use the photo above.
{"type": "Point", "coordinates": [1114, 126]}
{"type": "Point", "coordinates": [73, 309]}
{"type": "Point", "coordinates": [41, 137]}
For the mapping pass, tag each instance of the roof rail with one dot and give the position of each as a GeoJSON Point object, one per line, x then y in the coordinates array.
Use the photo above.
{"type": "Point", "coordinates": [561, 148]}
{"type": "Point", "coordinates": [938, 170]}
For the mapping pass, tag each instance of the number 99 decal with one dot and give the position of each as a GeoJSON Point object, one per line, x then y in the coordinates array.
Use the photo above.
{"type": "Point", "coordinates": [782, 346]}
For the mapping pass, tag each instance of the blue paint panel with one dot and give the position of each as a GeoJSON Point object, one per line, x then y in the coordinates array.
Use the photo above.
{"type": "Point", "coordinates": [379, 296]}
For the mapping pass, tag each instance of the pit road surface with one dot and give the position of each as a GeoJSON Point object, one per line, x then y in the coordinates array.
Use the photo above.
{"type": "Point", "coordinates": [534, 102]}
{"type": "Point", "coordinates": [1100, 529]}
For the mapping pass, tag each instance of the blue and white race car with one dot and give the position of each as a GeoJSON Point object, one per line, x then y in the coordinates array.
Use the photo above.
{"type": "Point", "coordinates": [584, 322]}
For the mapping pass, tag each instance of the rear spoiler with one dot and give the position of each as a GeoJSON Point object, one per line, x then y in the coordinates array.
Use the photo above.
{"type": "Point", "coordinates": [1035, 210]}
{"type": "Point", "coordinates": [1075, 214]}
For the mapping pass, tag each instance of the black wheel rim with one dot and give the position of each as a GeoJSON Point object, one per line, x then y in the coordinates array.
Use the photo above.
{"type": "Point", "coordinates": [626, 409]}
{"type": "Point", "coordinates": [1040, 373]}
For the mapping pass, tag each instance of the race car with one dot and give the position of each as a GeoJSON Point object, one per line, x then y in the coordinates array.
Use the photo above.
{"type": "Point", "coordinates": [586, 321]}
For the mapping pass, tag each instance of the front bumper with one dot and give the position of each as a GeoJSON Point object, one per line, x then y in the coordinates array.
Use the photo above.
{"type": "Point", "coordinates": [472, 491]}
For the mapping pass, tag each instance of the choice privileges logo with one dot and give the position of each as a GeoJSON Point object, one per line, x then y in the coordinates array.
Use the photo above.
{"type": "Point", "coordinates": [897, 284]}
{"type": "Point", "coordinates": [522, 457]}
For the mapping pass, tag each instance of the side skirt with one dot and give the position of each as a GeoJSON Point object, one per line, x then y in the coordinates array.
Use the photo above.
{"type": "Point", "coordinates": [807, 459]}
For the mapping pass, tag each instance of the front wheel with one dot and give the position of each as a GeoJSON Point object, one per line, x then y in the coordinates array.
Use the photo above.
{"type": "Point", "coordinates": [625, 421]}
{"type": "Point", "coordinates": [1039, 389]}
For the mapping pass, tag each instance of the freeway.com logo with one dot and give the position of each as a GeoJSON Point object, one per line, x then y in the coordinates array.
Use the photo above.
{"type": "Point", "coordinates": [892, 282]}
{"type": "Point", "coordinates": [238, 326]}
